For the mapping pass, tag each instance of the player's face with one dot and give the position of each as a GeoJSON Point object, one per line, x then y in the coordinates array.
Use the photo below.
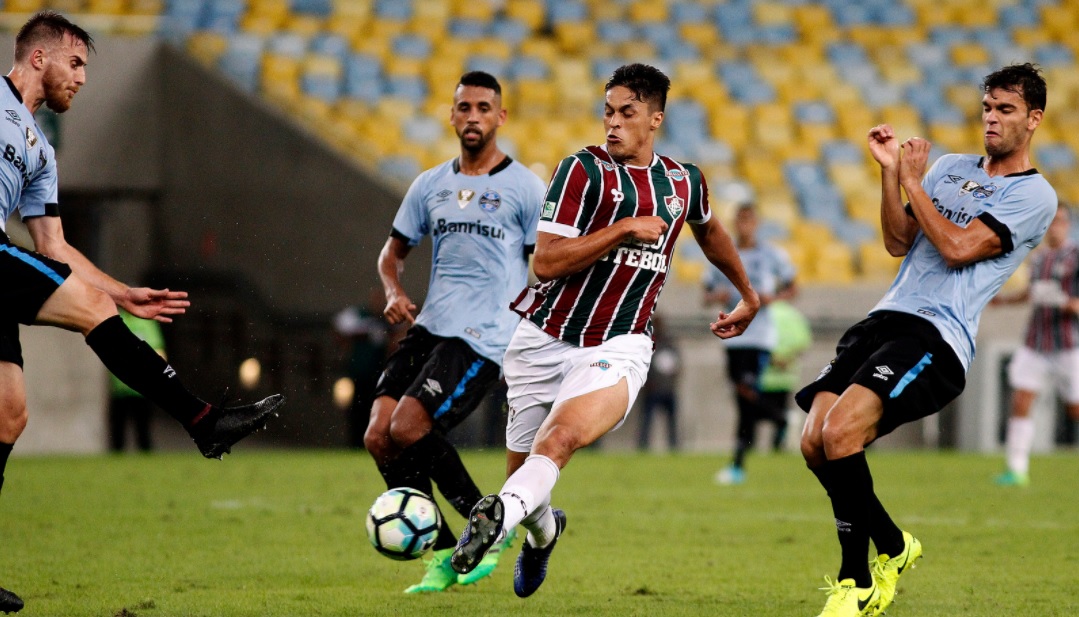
{"type": "Point", "coordinates": [631, 126]}
{"type": "Point", "coordinates": [65, 73]}
{"type": "Point", "coordinates": [476, 115]}
{"type": "Point", "coordinates": [1007, 123]}
{"type": "Point", "coordinates": [745, 224]}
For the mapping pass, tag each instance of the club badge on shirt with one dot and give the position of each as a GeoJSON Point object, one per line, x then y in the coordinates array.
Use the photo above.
{"type": "Point", "coordinates": [464, 196]}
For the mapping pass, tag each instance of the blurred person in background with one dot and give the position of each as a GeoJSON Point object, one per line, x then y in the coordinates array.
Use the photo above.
{"type": "Point", "coordinates": [661, 387]}
{"type": "Point", "coordinates": [366, 337]}
{"type": "Point", "coordinates": [1050, 350]}
{"type": "Point", "coordinates": [57, 285]}
{"type": "Point", "coordinates": [784, 372]}
{"type": "Point", "coordinates": [772, 274]}
{"type": "Point", "coordinates": [126, 406]}
{"type": "Point", "coordinates": [480, 210]}
{"type": "Point", "coordinates": [967, 225]}
{"type": "Point", "coordinates": [582, 352]}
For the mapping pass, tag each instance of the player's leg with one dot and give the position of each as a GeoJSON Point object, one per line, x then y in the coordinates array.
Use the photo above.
{"type": "Point", "coordinates": [12, 423]}
{"type": "Point", "coordinates": [671, 402]}
{"type": "Point", "coordinates": [776, 405]}
{"type": "Point", "coordinates": [75, 305]}
{"type": "Point", "coordinates": [1027, 371]}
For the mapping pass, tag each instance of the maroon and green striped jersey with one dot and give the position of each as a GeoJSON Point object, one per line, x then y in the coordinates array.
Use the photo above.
{"type": "Point", "coordinates": [1052, 328]}
{"type": "Point", "coordinates": [618, 293]}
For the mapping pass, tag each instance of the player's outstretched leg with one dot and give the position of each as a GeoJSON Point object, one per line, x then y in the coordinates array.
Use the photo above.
{"type": "Point", "coordinates": [480, 534]}
{"type": "Point", "coordinates": [219, 428]}
{"type": "Point", "coordinates": [531, 567]}
{"type": "Point", "coordinates": [9, 602]}
{"type": "Point", "coordinates": [886, 570]}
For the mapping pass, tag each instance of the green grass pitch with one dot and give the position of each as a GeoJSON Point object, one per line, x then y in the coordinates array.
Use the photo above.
{"type": "Point", "coordinates": [281, 533]}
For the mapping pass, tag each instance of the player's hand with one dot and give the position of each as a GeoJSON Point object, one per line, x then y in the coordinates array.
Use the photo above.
{"type": "Point", "coordinates": [729, 325]}
{"type": "Point", "coordinates": [157, 304]}
{"type": "Point", "coordinates": [399, 308]}
{"type": "Point", "coordinates": [644, 229]}
{"type": "Point", "coordinates": [912, 163]}
{"type": "Point", "coordinates": [883, 145]}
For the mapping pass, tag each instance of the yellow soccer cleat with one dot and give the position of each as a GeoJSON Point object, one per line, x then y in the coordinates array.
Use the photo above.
{"type": "Point", "coordinates": [886, 570]}
{"type": "Point", "coordinates": [439, 576]}
{"type": "Point", "coordinates": [846, 600]}
{"type": "Point", "coordinates": [489, 561]}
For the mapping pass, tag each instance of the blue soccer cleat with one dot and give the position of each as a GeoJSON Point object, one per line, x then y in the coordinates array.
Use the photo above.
{"type": "Point", "coordinates": [532, 562]}
{"type": "Point", "coordinates": [9, 602]}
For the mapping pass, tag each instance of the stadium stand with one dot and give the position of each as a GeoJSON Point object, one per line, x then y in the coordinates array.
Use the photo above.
{"type": "Point", "coordinates": [774, 95]}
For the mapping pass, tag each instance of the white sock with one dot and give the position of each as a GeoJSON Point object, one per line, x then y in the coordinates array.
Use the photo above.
{"type": "Point", "coordinates": [541, 525]}
{"type": "Point", "coordinates": [1018, 443]}
{"type": "Point", "coordinates": [528, 487]}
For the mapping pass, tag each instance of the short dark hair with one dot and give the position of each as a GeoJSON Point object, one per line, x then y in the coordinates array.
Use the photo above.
{"type": "Point", "coordinates": [45, 25]}
{"type": "Point", "coordinates": [1023, 79]}
{"type": "Point", "coordinates": [647, 82]}
{"type": "Point", "coordinates": [480, 79]}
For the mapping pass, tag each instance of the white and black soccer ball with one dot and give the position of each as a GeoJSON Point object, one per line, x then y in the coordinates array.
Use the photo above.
{"type": "Point", "coordinates": [403, 523]}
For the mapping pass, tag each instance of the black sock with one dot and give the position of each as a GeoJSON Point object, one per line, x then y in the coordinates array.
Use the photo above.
{"type": "Point", "coordinates": [136, 364]}
{"type": "Point", "coordinates": [886, 535]}
{"type": "Point", "coordinates": [5, 452]}
{"type": "Point", "coordinates": [401, 472]}
{"type": "Point", "coordinates": [433, 454]}
{"type": "Point", "coordinates": [446, 537]}
{"type": "Point", "coordinates": [851, 491]}
{"type": "Point", "coordinates": [824, 476]}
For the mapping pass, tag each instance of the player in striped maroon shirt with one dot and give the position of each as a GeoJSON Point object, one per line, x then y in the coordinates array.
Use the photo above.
{"type": "Point", "coordinates": [1051, 348]}
{"type": "Point", "coordinates": [581, 353]}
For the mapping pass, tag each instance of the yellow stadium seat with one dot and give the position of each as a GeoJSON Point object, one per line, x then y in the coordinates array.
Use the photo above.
{"type": "Point", "coordinates": [951, 137]}
{"type": "Point", "coordinates": [263, 25]}
{"type": "Point", "coordinates": [1031, 36]}
{"type": "Point", "coordinates": [535, 97]}
{"type": "Point", "coordinates": [481, 10]}
{"type": "Point", "coordinates": [492, 48]}
{"type": "Point", "coordinates": [107, 7]}
{"type": "Point", "coordinates": [800, 259]}
{"type": "Point", "coordinates": [574, 37]}
{"type": "Point", "coordinates": [648, 11]}
{"type": "Point", "coordinates": [531, 12]}
{"type": "Point", "coordinates": [970, 53]}
{"type": "Point", "coordinates": [146, 7]}
{"type": "Point", "coordinates": [207, 47]}
{"type": "Point", "coordinates": [875, 264]}
{"type": "Point", "coordinates": [812, 17]}
{"type": "Point", "coordinates": [270, 8]}
{"type": "Point", "coordinates": [898, 72]}
{"type": "Point", "coordinates": [67, 6]}
{"type": "Point", "coordinates": [398, 66]}
{"type": "Point", "coordinates": [23, 6]}
{"type": "Point", "coordinates": [772, 14]}
{"type": "Point", "coordinates": [279, 69]}
{"type": "Point", "coordinates": [347, 26]}
{"type": "Point", "coordinates": [703, 35]}
{"type": "Point", "coordinates": [833, 264]}
{"type": "Point", "coordinates": [729, 121]}
{"type": "Point", "coordinates": [935, 14]}
{"type": "Point", "coordinates": [304, 25]}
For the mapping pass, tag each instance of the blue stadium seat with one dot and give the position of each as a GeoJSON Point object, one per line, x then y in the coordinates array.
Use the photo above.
{"type": "Point", "coordinates": [331, 45]}
{"type": "Point", "coordinates": [1054, 54]}
{"type": "Point", "coordinates": [1054, 157]}
{"type": "Point", "coordinates": [181, 18]}
{"type": "Point", "coordinates": [424, 130]}
{"type": "Point", "coordinates": [562, 11]}
{"type": "Point", "coordinates": [529, 67]}
{"type": "Point", "coordinates": [242, 61]}
{"type": "Point", "coordinates": [409, 88]}
{"type": "Point", "coordinates": [287, 44]}
{"type": "Point", "coordinates": [852, 232]}
{"type": "Point", "coordinates": [688, 13]}
{"type": "Point", "coordinates": [324, 87]}
{"type": "Point", "coordinates": [223, 16]}
{"type": "Point", "coordinates": [894, 15]}
{"type": "Point", "coordinates": [1018, 16]}
{"type": "Point", "coordinates": [468, 29]}
{"type": "Point", "coordinates": [841, 151]}
{"type": "Point", "coordinates": [488, 64]}
{"type": "Point", "coordinates": [415, 46]}
{"type": "Point", "coordinates": [614, 31]}
{"type": "Point", "coordinates": [396, 10]}
{"type": "Point", "coordinates": [402, 168]}
{"type": "Point", "coordinates": [814, 112]}
{"type": "Point", "coordinates": [318, 8]}
{"type": "Point", "coordinates": [366, 88]}
{"type": "Point", "coordinates": [512, 31]}
{"type": "Point", "coordinates": [712, 152]}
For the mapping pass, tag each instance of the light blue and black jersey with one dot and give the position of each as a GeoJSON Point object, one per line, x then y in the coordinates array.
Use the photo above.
{"type": "Point", "coordinates": [480, 226]}
{"type": "Point", "coordinates": [28, 181]}
{"type": "Point", "coordinates": [1018, 207]}
{"type": "Point", "coordinates": [770, 270]}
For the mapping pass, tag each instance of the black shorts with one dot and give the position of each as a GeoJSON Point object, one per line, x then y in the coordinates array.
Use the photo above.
{"type": "Point", "coordinates": [29, 279]}
{"type": "Point", "coordinates": [745, 366]}
{"type": "Point", "coordinates": [446, 375]}
{"type": "Point", "coordinates": [902, 358]}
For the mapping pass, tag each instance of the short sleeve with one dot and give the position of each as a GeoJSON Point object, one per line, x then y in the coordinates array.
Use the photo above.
{"type": "Point", "coordinates": [561, 214]}
{"type": "Point", "coordinates": [1022, 214]}
{"type": "Point", "coordinates": [412, 220]}
{"type": "Point", "coordinates": [784, 267]}
{"type": "Point", "coordinates": [532, 203]}
{"type": "Point", "coordinates": [40, 197]}
{"type": "Point", "coordinates": [699, 208]}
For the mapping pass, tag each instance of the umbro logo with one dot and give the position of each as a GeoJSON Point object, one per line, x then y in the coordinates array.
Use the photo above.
{"type": "Point", "coordinates": [842, 526]}
{"type": "Point", "coordinates": [433, 387]}
{"type": "Point", "coordinates": [883, 372]}
{"type": "Point", "coordinates": [169, 371]}
{"type": "Point", "coordinates": [444, 194]}
{"type": "Point", "coordinates": [953, 179]}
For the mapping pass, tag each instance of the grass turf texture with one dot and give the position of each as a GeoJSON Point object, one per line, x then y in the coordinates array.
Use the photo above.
{"type": "Point", "coordinates": [281, 533]}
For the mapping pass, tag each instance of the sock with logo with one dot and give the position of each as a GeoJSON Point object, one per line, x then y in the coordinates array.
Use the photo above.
{"type": "Point", "coordinates": [541, 525]}
{"type": "Point", "coordinates": [437, 457]}
{"type": "Point", "coordinates": [1019, 442]}
{"type": "Point", "coordinates": [851, 492]}
{"type": "Point", "coordinates": [5, 452]}
{"type": "Point", "coordinates": [137, 364]}
{"type": "Point", "coordinates": [528, 487]}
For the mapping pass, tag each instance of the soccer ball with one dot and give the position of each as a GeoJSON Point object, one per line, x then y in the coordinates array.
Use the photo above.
{"type": "Point", "coordinates": [403, 523]}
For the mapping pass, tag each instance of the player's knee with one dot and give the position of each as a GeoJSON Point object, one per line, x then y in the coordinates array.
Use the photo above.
{"type": "Point", "coordinates": [13, 422]}
{"type": "Point", "coordinates": [812, 448]}
{"type": "Point", "coordinates": [376, 441]}
{"type": "Point", "coordinates": [558, 442]}
{"type": "Point", "coordinates": [404, 433]}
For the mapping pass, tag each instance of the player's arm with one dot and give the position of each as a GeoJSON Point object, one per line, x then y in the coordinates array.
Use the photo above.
{"type": "Point", "coordinates": [720, 250]}
{"type": "Point", "coordinates": [899, 229]}
{"type": "Point", "coordinates": [391, 263]}
{"type": "Point", "coordinates": [959, 246]}
{"type": "Point", "coordinates": [158, 304]}
{"type": "Point", "coordinates": [560, 256]}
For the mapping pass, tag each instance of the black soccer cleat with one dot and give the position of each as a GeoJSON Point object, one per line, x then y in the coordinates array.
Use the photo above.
{"type": "Point", "coordinates": [9, 602]}
{"type": "Point", "coordinates": [531, 567]}
{"type": "Point", "coordinates": [481, 533]}
{"type": "Point", "coordinates": [228, 425]}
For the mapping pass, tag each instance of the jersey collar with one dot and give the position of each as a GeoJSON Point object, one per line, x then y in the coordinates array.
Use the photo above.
{"type": "Point", "coordinates": [14, 90]}
{"type": "Point", "coordinates": [494, 170]}
{"type": "Point", "coordinates": [655, 159]}
{"type": "Point", "coordinates": [1033, 171]}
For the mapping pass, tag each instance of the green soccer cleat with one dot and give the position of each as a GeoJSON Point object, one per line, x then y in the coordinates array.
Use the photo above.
{"type": "Point", "coordinates": [489, 561]}
{"type": "Point", "coordinates": [846, 600]}
{"type": "Point", "coordinates": [886, 570]}
{"type": "Point", "coordinates": [439, 577]}
{"type": "Point", "coordinates": [1013, 478]}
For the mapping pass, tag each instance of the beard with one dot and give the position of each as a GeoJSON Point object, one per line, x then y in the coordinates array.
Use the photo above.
{"type": "Point", "coordinates": [57, 97]}
{"type": "Point", "coordinates": [476, 146]}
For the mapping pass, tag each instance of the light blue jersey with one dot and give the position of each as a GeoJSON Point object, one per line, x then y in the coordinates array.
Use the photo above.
{"type": "Point", "coordinates": [1018, 207]}
{"type": "Point", "coordinates": [480, 226]}
{"type": "Point", "coordinates": [769, 269]}
{"type": "Point", "coordinates": [28, 172]}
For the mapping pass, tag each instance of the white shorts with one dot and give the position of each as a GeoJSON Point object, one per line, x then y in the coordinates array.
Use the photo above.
{"type": "Point", "coordinates": [542, 371]}
{"type": "Point", "coordinates": [1029, 369]}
